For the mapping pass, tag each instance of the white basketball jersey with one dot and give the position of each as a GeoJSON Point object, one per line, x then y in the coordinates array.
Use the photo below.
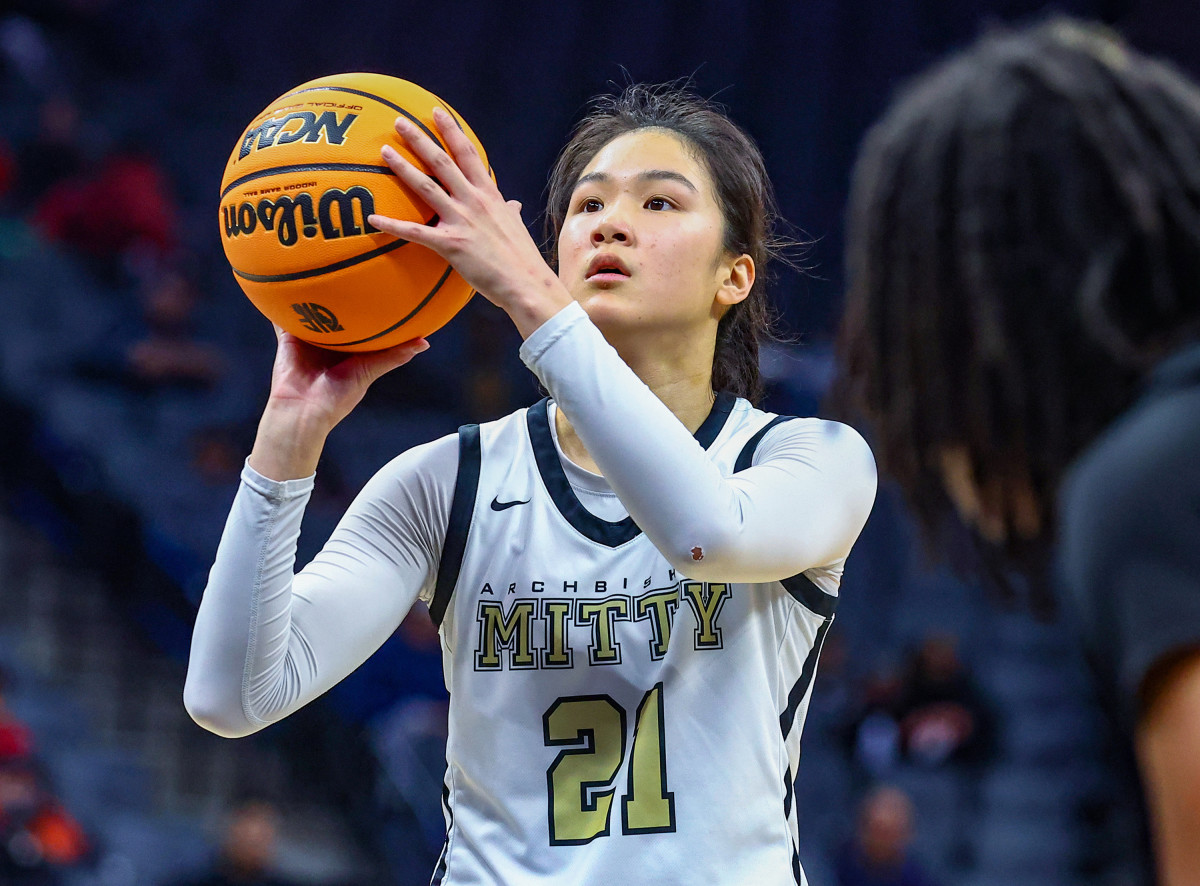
{"type": "Point", "coordinates": [611, 720]}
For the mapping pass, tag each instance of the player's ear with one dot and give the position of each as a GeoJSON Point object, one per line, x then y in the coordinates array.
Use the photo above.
{"type": "Point", "coordinates": [736, 280]}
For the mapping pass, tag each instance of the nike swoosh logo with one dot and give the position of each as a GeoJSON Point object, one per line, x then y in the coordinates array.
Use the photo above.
{"type": "Point", "coordinates": [498, 505]}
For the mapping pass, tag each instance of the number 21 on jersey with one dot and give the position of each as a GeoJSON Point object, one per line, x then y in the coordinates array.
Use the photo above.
{"type": "Point", "coordinates": [581, 780]}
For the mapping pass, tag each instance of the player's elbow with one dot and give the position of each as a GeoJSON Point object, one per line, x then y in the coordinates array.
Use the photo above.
{"type": "Point", "coordinates": [213, 712]}
{"type": "Point", "coordinates": [702, 551]}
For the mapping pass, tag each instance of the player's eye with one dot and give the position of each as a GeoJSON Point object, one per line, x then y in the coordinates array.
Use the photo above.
{"type": "Point", "coordinates": [591, 204]}
{"type": "Point", "coordinates": [658, 204]}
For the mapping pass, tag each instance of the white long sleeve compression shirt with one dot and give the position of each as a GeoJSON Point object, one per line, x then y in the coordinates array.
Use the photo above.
{"type": "Point", "coordinates": [269, 639]}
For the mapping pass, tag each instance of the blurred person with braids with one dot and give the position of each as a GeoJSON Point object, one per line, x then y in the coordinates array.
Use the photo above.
{"type": "Point", "coordinates": [1023, 309]}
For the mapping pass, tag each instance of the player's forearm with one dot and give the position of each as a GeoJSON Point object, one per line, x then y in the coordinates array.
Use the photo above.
{"type": "Point", "coordinates": [242, 632]}
{"type": "Point", "coordinates": [269, 639]}
{"type": "Point", "coordinates": [802, 511]}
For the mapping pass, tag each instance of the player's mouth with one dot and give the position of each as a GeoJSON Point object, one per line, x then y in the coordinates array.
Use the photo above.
{"type": "Point", "coordinates": [606, 268]}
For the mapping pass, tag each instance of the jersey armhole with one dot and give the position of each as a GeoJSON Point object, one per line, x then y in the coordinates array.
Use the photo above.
{"type": "Point", "coordinates": [746, 457]}
{"type": "Point", "coordinates": [462, 508]}
{"type": "Point", "coordinates": [801, 588]}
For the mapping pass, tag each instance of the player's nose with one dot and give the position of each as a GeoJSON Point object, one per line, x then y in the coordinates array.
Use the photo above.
{"type": "Point", "coordinates": [612, 226]}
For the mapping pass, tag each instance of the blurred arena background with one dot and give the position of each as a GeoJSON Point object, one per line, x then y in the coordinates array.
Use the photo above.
{"type": "Point", "coordinates": [132, 371]}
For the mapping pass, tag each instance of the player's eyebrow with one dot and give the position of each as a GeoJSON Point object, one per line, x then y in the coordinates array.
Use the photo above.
{"type": "Point", "coordinates": [646, 175]}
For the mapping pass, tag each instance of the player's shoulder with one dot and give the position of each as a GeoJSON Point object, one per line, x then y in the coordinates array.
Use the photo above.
{"type": "Point", "coordinates": [1137, 473]}
{"type": "Point", "coordinates": [1133, 488]}
{"type": "Point", "coordinates": [1148, 451]}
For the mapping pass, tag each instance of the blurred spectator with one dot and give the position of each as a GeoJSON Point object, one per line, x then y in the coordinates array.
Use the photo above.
{"type": "Point", "coordinates": [487, 389]}
{"type": "Point", "coordinates": [930, 712]}
{"type": "Point", "coordinates": [404, 697]}
{"type": "Point", "coordinates": [159, 349]}
{"type": "Point", "coordinates": [38, 837]}
{"type": "Point", "coordinates": [407, 666]}
{"type": "Point", "coordinates": [53, 155]}
{"type": "Point", "coordinates": [827, 708]}
{"type": "Point", "coordinates": [109, 38]}
{"type": "Point", "coordinates": [169, 353]}
{"type": "Point", "coordinates": [942, 714]}
{"type": "Point", "coordinates": [218, 452]}
{"type": "Point", "coordinates": [123, 208]}
{"type": "Point", "coordinates": [247, 849]}
{"type": "Point", "coordinates": [871, 735]}
{"type": "Point", "coordinates": [7, 168]}
{"type": "Point", "coordinates": [467, 372]}
{"type": "Point", "coordinates": [16, 740]}
{"type": "Point", "coordinates": [25, 51]}
{"type": "Point", "coordinates": [879, 854]}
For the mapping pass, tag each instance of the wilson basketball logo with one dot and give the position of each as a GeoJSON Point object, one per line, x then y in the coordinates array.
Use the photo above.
{"type": "Point", "coordinates": [317, 318]}
{"type": "Point", "coordinates": [302, 178]}
{"type": "Point", "coordinates": [289, 216]}
{"type": "Point", "coordinates": [308, 127]}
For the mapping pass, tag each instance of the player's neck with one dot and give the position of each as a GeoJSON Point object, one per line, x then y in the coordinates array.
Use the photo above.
{"type": "Point", "coordinates": [689, 397]}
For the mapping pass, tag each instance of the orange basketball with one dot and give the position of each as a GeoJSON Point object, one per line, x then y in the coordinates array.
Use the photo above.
{"type": "Point", "coordinates": [295, 197]}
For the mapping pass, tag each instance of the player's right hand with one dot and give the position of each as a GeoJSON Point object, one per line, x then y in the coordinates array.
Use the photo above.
{"type": "Point", "coordinates": [326, 385]}
{"type": "Point", "coordinates": [312, 389]}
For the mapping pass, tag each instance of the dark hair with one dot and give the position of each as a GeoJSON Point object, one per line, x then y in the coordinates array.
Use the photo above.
{"type": "Point", "coordinates": [743, 192]}
{"type": "Point", "coordinates": [1023, 240]}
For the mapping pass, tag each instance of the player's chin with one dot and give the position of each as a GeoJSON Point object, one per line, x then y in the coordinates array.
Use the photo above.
{"type": "Point", "coordinates": [609, 308]}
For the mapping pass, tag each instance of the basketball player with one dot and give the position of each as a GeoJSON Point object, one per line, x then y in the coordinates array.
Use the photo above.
{"type": "Point", "coordinates": [632, 579]}
{"type": "Point", "coordinates": [1023, 256]}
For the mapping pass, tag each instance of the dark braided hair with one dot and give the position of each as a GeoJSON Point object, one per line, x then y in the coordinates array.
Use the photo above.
{"type": "Point", "coordinates": [1023, 241]}
{"type": "Point", "coordinates": [743, 192]}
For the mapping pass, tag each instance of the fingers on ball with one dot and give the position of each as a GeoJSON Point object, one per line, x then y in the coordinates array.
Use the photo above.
{"type": "Point", "coordinates": [460, 147]}
{"type": "Point", "coordinates": [444, 177]}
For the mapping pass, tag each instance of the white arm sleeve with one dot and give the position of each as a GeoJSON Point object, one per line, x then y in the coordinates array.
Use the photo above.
{"type": "Point", "coordinates": [267, 641]}
{"type": "Point", "coordinates": [800, 506]}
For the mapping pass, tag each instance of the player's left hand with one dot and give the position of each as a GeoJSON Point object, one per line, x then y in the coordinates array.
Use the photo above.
{"type": "Point", "coordinates": [478, 231]}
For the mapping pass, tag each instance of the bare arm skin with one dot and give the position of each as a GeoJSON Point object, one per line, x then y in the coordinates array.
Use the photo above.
{"type": "Point", "coordinates": [1168, 749]}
